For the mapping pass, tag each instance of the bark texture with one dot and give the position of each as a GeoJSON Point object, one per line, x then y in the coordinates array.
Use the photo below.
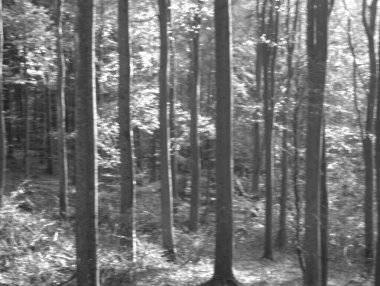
{"type": "Point", "coordinates": [86, 163]}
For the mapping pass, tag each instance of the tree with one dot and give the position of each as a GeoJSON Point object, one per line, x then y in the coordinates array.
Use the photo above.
{"type": "Point", "coordinates": [165, 167]}
{"type": "Point", "coordinates": [270, 20]}
{"type": "Point", "coordinates": [291, 28]}
{"type": "Point", "coordinates": [317, 25]}
{"type": "Point", "coordinates": [223, 273]}
{"type": "Point", "coordinates": [377, 163]}
{"type": "Point", "coordinates": [61, 116]}
{"type": "Point", "coordinates": [86, 208]}
{"type": "Point", "coordinates": [3, 151]}
{"type": "Point", "coordinates": [173, 98]}
{"type": "Point", "coordinates": [127, 172]}
{"type": "Point", "coordinates": [194, 110]}
{"type": "Point", "coordinates": [369, 26]}
{"type": "Point", "coordinates": [324, 213]}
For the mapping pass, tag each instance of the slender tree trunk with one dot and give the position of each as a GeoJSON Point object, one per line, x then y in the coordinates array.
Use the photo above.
{"type": "Point", "coordinates": [194, 110]}
{"type": "Point", "coordinates": [256, 159]}
{"type": "Point", "coordinates": [282, 232]}
{"type": "Point", "coordinates": [3, 150]}
{"type": "Point", "coordinates": [49, 149]}
{"type": "Point", "coordinates": [153, 163]}
{"type": "Point", "coordinates": [297, 200]}
{"type": "Point", "coordinates": [369, 25]}
{"type": "Point", "coordinates": [100, 54]}
{"type": "Point", "coordinates": [291, 28]}
{"type": "Point", "coordinates": [268, 96]}
{"type": "Point", "coordinates": [324, 215]}
{"type": "Point", "coordinates": [317, 20]}
{"type": "Point", "coordinates": [86, 163]}
{"type": "Point", "coordinates": [172, 98]}
{"type": "Point", "coordinates": [166, 182]}
{"type": "Point", "coordinates": [26, 132]}
{"type": "Point", "coordinates": [9, 121]}
{"type": "Point", "coordinates": [61, 120]}
{"type": "Point", "coordinates": [127, 172]}
{"type": "Point", "coordinates": [377, 163]}
{"type": "Point", "coordinates": [223, 273]}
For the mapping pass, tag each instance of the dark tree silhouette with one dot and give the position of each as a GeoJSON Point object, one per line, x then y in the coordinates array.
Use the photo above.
{"type": "Point", "coordinates": [127, 173]}
{"type": "Point", "coordinates": [223, 272]}
{"type": "Point", "coordinates": [86, 208]}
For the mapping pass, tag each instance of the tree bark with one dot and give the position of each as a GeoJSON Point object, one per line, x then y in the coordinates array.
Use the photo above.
{"type": "Point", "coordinates": [86, 153]}
{"type": "Point", "coordinates": [26, 132]}
{"type": "Point", "coordinates": [282, 232]}
{"type": "Point", "coordinates": [127, 168]}
{"type": "Point", "coordinates": [369, 26]}
{"type": "Point", "coordinates": [173, 99]}
{"type": "Point", "coordinates": [3, 151]}
{"type": "Point", "coordinates": [165, 168]}
{"type": "Point", "coordinates": [194, 110]}
{"type": "Point", "coordinates": [324, 209]}
{"type": "Point", "coordinates": [49, 149]}
{"type": "Point", "coordinates": [223, 273]}
{"type": "Point", "coordinates": [61, 114]}
{"type": "Point", "coordinates": [377, 164]}
{"type": "Point", "coordinates": [317, 23]}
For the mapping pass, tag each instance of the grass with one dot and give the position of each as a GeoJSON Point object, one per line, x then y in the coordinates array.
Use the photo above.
{"type": "Point", "coordinates": [36, 248]}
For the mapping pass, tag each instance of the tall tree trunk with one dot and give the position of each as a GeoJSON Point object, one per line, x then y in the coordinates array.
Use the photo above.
{"type": "Point", "coordinates": [153, 163]}
{"type": "Point", "coordinates": [369, 25]}
{"type": "Point", "coordinates": [194, 110]}
{"type": "Point", "coordinates": [100, 54]}
{"type": "Point", "coordinates": [377, 163]}
{"type": "Point", "coordinates": [223, 273]}
{"type": "Point", "coordinates": [166, 183]}
{"type": "Point", "coordinates": [172, 98]}
{"type": "Point", "coordinates": [48, 146]}
{"type": "Point", "coordinates": [127, 168]}
{"type": "Point", "coordinates": [324, 209]}
{"type": "Point", "coordinates": [256, 159]}
{"type": "Point", "coordinates": [61, 114]}
{"type": "Point", "coordinates": [3, 151]}
{"type": "Point", "coordinates": [282, 232]}
{"type": "Point", "coordinates": [269, 56]}
{"type": "Point", "coordinates": [290, 31]}
{"type": "Point", "coordinates": [26, 132]}
{"type": "Point", "coordinates": [317, 21]}
{"type": "Point", "coordinates": [9, 103]}
{"type": "Point", "coordinates": [86, 163]}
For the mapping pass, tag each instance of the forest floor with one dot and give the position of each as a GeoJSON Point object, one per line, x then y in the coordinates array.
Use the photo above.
{"type": "Point", "coordinates": [36, 248]}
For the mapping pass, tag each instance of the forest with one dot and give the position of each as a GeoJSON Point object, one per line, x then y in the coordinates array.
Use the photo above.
{"type": "Point", "coordinates": [189, 142]}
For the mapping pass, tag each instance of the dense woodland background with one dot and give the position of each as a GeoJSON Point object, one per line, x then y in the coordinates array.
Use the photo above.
{"type": "Point", "coordinates": [161, 230]}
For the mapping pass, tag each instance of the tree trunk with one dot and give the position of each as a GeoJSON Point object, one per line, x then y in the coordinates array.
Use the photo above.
{"type": "Point", "coordinates": [377, 164]}
{"type": "Point", "coordinates": [61, 117]}
{"type": "Point", "coordinates": [223, 273]}
{"type": "Point", "coordinates": [172, 111]}
{"type": "Point", "coordinates": [166, 183]}
{"type": "Point", "coordinates": [3, 151]}
{"type": "Point", "coordinates": [194, 133]}
{"type": "Point", "coordinates": [100, 54]}
{"type": "Point", "coordinates": [127, 168]}
{"type": "Point", "coordinates": [26, 132]}
{"type": "Point", "coordinates": [282, 232]}
{"type": "Point", "coordinates": [49, 149]}
{"type": "Point", "coordinates": [269, 59]}
{"type": "Point", "coordinates": [86, 163]}
{"type": "Point", "coordinates": [317, 19]}
{"type": "Point", "coordinates": [369, 26]}
{"type": "Point", "coordinates": [324, 215]}
{"type": "Point", "coordinates": [256, 159]}
{"type": "Point", "coordinates": [153, 160]}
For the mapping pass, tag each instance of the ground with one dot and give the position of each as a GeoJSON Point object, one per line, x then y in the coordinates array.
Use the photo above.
{"type": "Point", "coordinates": [36, 248]}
